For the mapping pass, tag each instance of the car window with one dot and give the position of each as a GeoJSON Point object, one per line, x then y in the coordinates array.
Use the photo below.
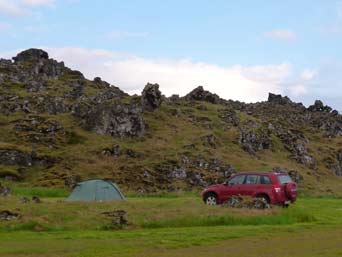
{"type": "Point", "coordinates": [252, 179]}
{"type": "Point", "coordinates": [284, 179]}
{"type": "Point", "coordinates": [237, 180]}
{"type": "Point", "coordinates": [265, 180]}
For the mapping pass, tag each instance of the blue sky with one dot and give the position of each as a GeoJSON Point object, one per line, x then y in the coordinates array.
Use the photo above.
{"type": "Point", "coordinates": [238, 49]}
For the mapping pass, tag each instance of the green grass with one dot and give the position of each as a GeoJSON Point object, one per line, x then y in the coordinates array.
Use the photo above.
{"type": "Point", "coordinates": [53, 214]}
{"type": "Point", "coordinates": [169, 226]}
{"type": "Point", "coordinates": [39, 191]}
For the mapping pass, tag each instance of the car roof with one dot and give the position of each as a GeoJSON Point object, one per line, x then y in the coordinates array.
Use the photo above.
{"type": "Point", "coordinates": [259, 173]}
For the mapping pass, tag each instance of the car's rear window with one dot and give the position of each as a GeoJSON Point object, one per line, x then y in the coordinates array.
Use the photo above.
{"type": "Point", "coordinates": [284, 179]}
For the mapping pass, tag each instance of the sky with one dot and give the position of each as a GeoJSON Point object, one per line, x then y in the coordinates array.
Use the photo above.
{"type": "Point", "coordinates": [241, 50]}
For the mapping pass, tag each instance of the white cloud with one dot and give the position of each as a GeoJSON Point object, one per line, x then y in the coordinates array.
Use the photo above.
{"type": "Point", "coordinates": [131, 73]}
{"type": "Point", "coordinates": [38, 2]}
{"type": "Point", "coordinates": [308, 74]}
{"type": "Point", "coordinates": [118, 35]}
{"type": "Point", "coordinates": [298, 90]}
{"type": "Point", "coordinates": [21, 7]}
{"type": "Point", "coordinates": [12, 8]}
{"type": "Point", "coordinates": [305, 79]}
{"type": "Point", "coordinates": [281, 34]}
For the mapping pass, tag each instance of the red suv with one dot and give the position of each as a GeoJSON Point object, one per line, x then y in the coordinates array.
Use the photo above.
{"type": "Point", "coordinates": [274, 188]}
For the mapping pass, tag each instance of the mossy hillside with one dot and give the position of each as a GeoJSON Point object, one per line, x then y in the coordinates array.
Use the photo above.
{"type": "Point", "coordinates": [174, 130]}
{"type": "Point", "coordinates": [165, 140]}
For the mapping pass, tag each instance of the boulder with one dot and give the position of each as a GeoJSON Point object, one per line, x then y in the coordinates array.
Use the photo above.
{"type": "Point", "coordinates": [15, 157]}
{"type": "Point", "coordinates": [229, 116]}
{"type": "Point", "coordinates": [151, 97]}
{"type": "Point", "coordinates": [115, 120]}
{"type": "Point", "coordinates": [318, 106]}
{"type": "Point", "coordinates": [113, 151]}
{"type": "Point", "coordinates": [24, 200]}
{"type": "Point", "coordinates": [33, 55]}
{"type": "Point", "coordinates": [256, 139]}
{"type": "Point", "coordinates": [278, 99]}
{"type": "Point", "coordinates": [199, 94]}
{"type": "Point", "coordinates": [9, 215]}
{"type": "Point", "coordinates": [296, 143]}
{"type": "Point", "coordinates": [37, 62]}
{"type": "Point", "coordinates": [100, 82]}
{"type": "Point", "coordinates": [36, 199]}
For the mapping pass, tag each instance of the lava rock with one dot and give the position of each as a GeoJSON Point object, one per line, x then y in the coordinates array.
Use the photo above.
{"type": "Point", "coordinates": [254, 140]}
{"type": "Point", "coordinates": [8, 215]}
{"type": "Point", "coordinates": [278, 99]}
{"type": "Point", "coordinates": [199, 94]}
{"type": "Point", "coordinates": [115, 120]}
{"type": "Point", "coordinates": [210, 141]}
{"type": "Point", "coordinates": [15, 157]}
{"type": "Point", "coordinates": [318, 106]}
{"type": "Point", "coordinates": [36, 199]}
{"type": "Point", "coordinates": [229, 116]}
{"type": "Point", "coordinates": [113, 151]}
{"type": "Point", "coordinates": [151, 97]}
{"type": "Point", "coordinates": [31, 55]}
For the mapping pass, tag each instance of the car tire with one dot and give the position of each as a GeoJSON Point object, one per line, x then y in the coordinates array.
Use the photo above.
{"type": "Point", "coordinates": [265, 198]}
{"type": "Point", "coordinates": [211, 199]}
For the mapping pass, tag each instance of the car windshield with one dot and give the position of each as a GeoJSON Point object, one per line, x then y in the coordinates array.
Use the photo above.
{"type": "Point", "coordinates": [284, 179]}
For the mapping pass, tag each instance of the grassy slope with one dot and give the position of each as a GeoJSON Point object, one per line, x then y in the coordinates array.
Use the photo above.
{"type": "Point", "coordinates": [165, 140]}
{"type": "Point", "coordinates": [80, 150]}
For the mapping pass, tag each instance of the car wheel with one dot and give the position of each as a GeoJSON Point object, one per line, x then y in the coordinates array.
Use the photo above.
{"type": "Point", "coordinates": [264, 198]}
{"type": "Point", "coordinates": [211, 199]}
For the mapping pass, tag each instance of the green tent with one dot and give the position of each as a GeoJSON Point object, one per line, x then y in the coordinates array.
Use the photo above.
{"type": "Point", "coordinates": [96, 190]}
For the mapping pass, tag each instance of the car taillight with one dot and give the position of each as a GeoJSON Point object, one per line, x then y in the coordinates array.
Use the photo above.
{"type": "Point", "coordinates": [277, 189]}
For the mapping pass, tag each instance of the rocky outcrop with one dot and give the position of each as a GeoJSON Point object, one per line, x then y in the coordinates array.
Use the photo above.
{"type": "Point", "coordinates": [52, 105]}
{"type": "Point", "coordinates": [15, 157]}
{"type": "Point", "coordinates": [254, 138]}
{"type": "Point", "coordinates": [115, 120]}
{"type": "Point", "coordinates": [151, 97]}
{"type": "Point", "coordinates": [229, 116]}
{"type": "Point", "coordinates": [278, 99]}
{"type": "Point", "coordinates": [296, 143]}
{"type": "Point", "coordinates": [331, 125]}
{"type": "Point", "coordinates": [37, 62]}
{"type": "Point", "coordinates": [199, 94]}
{"type": "Point", "coordinates": [37, 129]}
{"type": "Point", "coordinates": [210, 141]}
{"type": "Point", "coordinates": [318, 106]}
{"type": "Point", "coordinates": [31, 55]}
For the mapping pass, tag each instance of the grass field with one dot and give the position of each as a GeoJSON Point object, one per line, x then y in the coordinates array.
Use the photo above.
{"type": "Point", "coordinates": [170, 226]}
